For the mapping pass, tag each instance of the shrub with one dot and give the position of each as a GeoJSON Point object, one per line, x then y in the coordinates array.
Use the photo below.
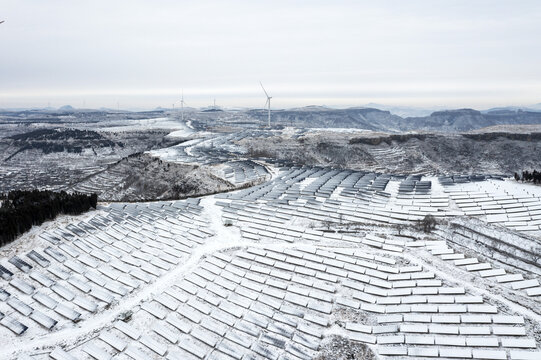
{"type": "Point", "coordinates": [428, 224]}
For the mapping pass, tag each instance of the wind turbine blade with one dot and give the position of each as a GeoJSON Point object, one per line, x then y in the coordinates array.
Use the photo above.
{"type": "Point", "coordinates": [266, 102]}
{"type": "Point", "coordinates": [264, 89]}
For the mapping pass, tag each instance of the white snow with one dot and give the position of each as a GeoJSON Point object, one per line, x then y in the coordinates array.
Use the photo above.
{"type": "Point", "coordinates": [149, 124]}
{"type": "Point", "coordinates": [230, 238]}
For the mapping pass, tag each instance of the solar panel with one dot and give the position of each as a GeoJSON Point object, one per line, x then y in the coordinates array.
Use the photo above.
{"type": "Point", "coordinates": [59, 354]}
{"type": "Point", "coordinates": [13, 325]}
{"type": "Point", "coordinates": [39, 259]}
{"type": "Point", "coordinates": [20, 264]}
{"type": "Point", "coordinates": [43, 319]}
{"type": "Point", "coordinates": [67, 312]}
{"type": "Point", "coordinates": [5, 273]}
{"type": "Point", "coordinates": [22, 285]}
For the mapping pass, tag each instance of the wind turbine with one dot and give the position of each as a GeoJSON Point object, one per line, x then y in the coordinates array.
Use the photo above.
{"type": "Point", "coordinates": [267, 102]}
{"type": "Point", "coordinates": [182, 105]}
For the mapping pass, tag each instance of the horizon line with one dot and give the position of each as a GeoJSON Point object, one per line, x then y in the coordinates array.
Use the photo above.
{"type": "Point", "coordinates": [381, 107]}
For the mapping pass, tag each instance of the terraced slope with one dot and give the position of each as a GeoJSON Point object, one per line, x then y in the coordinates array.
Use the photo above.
{"type": "Point", "coordinates": [142, 177]}
{"type": "Point", "coordinates": [410, 153]}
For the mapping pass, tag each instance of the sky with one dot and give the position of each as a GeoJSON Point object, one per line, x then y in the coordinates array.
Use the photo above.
{"type": "Point", "coordinates": [143, 54]}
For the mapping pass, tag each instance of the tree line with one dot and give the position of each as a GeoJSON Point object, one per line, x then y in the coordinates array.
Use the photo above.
{"type": "Point", "coordinates": [21, 209]}
{"type": "Point", "coordinates": [534, 176]}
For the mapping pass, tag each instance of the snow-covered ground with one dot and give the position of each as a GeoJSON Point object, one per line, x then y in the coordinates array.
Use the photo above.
{"type": "Point", "coordinates": [272, 271]}
{"type": "Point", "coordinates": [179, 128]}
{"type": "Point", "coordinates": [339, 130]}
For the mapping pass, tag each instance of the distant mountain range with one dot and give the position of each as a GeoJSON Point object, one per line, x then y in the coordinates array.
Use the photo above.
{"type": "Point", "coordinates": [371, 118]}
{"type": "Point", "coordinates": [400, 110]}
{"type": "Point", "coordinates": [460, 120]}
{"type": "Point", "coordinates": [468, 119]}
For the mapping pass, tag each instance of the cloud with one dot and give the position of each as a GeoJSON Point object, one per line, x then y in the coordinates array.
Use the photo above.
{"type": "Point", "coordinates": [467, 53]}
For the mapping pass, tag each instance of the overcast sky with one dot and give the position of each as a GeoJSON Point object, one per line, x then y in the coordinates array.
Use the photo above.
{"type": "Point", "coordinates": [337, 53]}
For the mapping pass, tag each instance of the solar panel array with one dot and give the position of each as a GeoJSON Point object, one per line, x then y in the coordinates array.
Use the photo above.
{"type": "Point", "coordinates": [245, 171]}
{"type": "Point", "coordinates": [279, 290]}
{"type": "Point", "coordinates": [90, 265]}
{"type": "Point", "coordinates": [320, 194]}
{"type": "Point", "coordinates": [511, 204]}
{"type": "Point", "coordinates": [278, 302]}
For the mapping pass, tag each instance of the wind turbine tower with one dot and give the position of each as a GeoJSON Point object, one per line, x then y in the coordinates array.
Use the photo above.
{"type": "Point", "coordinates": [182, 106]}
{"type": "Point", "coordinates": [267, 103]}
